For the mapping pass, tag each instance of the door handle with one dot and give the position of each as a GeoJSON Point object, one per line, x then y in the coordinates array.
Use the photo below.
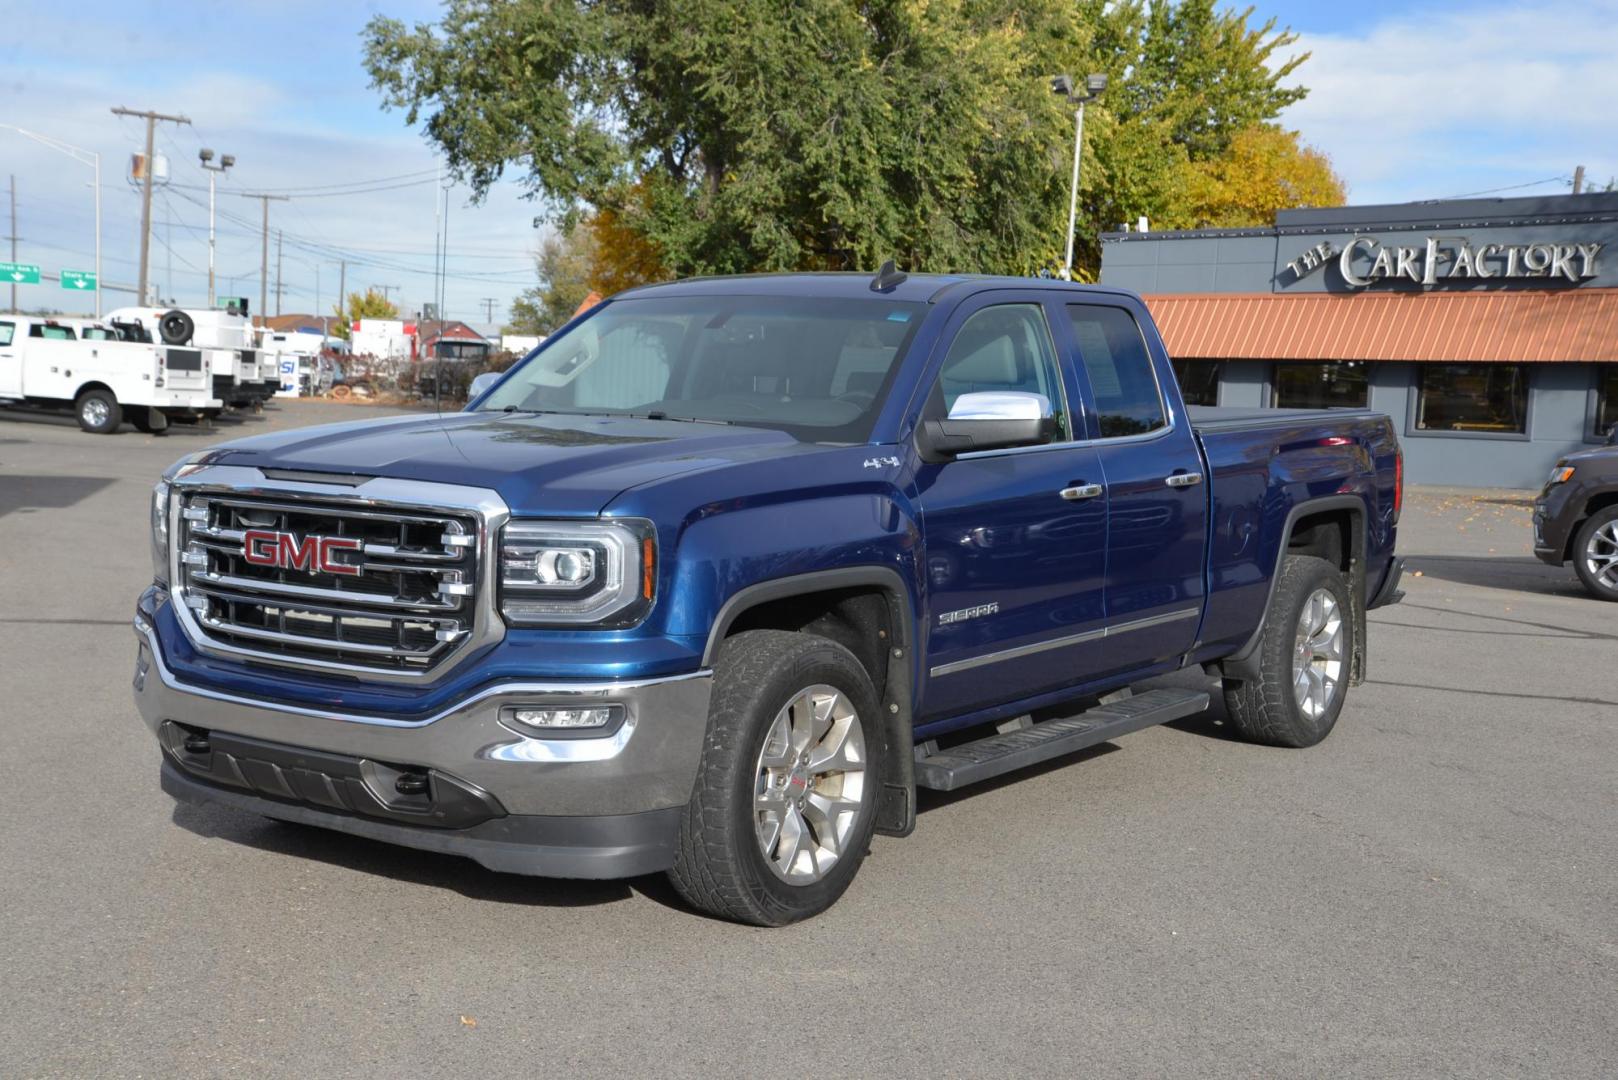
{"type": "Point", "coordinates": [1082, 491]}
{"type": "Point", "coordinates": [1182, 480]}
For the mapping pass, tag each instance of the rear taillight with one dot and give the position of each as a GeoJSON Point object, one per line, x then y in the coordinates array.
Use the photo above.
{"type": "Point", "coordinates": [1398, 483]}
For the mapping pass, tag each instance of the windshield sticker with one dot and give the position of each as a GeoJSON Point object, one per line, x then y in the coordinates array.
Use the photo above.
{"type": "Point", "coordinates": [898, 316]}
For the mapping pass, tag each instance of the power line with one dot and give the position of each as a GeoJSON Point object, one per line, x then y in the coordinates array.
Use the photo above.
{"type": "Point", "coordinates": [1514, 187]}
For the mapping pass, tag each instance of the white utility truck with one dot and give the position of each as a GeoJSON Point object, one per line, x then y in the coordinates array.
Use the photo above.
{"type": "Point", "coordinates": [45, 365]}
{"type": "Point", "coordinates": [225, 337]}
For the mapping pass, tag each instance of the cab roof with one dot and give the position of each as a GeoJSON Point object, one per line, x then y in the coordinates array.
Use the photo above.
{"type": "Point", "coordinates": [922, 288]}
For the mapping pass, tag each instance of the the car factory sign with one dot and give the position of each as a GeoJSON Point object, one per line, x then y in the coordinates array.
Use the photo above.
{"type": "Point", "coordinates": [1365, 260]}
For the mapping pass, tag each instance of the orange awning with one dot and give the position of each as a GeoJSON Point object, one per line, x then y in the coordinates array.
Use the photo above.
{"type": "Point", "coordinates": [1508, 327]}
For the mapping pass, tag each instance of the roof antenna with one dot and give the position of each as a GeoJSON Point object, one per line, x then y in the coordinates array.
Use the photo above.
{"type": "Point", "coordinates": [887, 278]}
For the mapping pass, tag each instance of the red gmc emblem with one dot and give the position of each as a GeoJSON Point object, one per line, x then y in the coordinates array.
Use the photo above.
{"type": "Point", "coordinates": [289, 551]}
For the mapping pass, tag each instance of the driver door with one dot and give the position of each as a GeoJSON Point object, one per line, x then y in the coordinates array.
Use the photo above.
{"type": "Point", "coordinates": [1015, 539]}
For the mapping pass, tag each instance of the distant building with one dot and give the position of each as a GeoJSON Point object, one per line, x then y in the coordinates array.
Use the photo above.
{"type": "Point", "coordinates": [520, 344]}
{"type": "Point", "coordinates": [452, 340]}
{"type": "Point", "coordinates": [1487, 328]}
{"type": "Point", "coordinates": [383, 339]}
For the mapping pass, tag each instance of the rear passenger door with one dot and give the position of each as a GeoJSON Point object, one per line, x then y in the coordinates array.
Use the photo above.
{"type": "Point", "coordinates": [1156, 495]}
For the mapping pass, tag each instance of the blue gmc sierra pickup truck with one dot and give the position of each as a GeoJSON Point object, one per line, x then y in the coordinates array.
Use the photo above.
{"type": "Point", "coordinates": [724, 571]}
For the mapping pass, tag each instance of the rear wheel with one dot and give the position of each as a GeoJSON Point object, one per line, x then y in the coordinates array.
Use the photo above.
{"type": "Point", "coordinates": [1304, 659]}
{"type": "Point", "coordinates": [785, 800]}
{"type": "Point", "coordinates": [98, 412]}
{"type": "Point", "coordinates": [1595, 554]}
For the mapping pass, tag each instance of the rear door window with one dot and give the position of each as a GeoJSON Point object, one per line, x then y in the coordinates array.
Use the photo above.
{"type": "Point", "coordinates": [1128, 400]}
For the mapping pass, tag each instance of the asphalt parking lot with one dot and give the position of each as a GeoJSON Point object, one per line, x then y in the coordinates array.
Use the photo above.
{"type": "Point", "coordinates": [1433, 891]}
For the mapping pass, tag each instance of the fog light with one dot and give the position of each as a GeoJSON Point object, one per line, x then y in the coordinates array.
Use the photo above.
{"type": "Point", "coordinates": [563, 719]}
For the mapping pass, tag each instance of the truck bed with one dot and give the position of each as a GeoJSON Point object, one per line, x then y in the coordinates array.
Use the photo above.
{"type": "Point", "coordinates": [1264, 462]}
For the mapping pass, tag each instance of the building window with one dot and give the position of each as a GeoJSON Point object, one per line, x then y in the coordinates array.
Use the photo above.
{"type": "Point", "coordinates": [1199, 381]}
{"type": "Point", "coordinates": [1606, 400]}
{"type": "Point", "coordinates": [1489, 398]}
{"type": "Point", "coordinates": [1337, 385]}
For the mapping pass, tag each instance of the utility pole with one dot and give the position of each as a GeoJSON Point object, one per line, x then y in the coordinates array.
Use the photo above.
{"type": "Point", "coordinates": [488, 303]}
{"type": "Point", "coordinates": [385, 290]}
{"type": "Point", "coordinates": [264, 251]}
{"type": "Point", "coordinates": [13, 237]}
{"type": "Point", "coordinates": [342, 288]}
{"type": "Point", "coordinates": [277, 272]}
{"type": "Point", "coordinates": [151, 119]}
{"type": "Point", "coordinates": [1578, 182]}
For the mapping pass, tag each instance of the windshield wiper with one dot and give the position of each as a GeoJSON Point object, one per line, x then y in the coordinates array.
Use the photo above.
{"type": "Point", "coordinates": [659, 414]}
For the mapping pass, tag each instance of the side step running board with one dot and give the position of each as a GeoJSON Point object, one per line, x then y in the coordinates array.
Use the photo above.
{"type": "Point", "coordinates": [999, 754]}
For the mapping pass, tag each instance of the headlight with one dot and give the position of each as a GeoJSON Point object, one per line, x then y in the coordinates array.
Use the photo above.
{"type": "Point", "coordinates": [1560, 475]}
{"type": "Point", "coordinates": [160, 532]}
{"type": "Point", "coordinates": [555, 573]}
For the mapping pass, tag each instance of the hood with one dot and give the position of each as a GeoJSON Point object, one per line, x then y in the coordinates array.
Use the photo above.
{"type": "Point", "coordinates": [567, 465]}
{"type": "Point", "coordinates": [1605, 457]}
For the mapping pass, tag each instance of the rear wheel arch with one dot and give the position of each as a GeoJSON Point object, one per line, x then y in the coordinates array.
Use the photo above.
{"type": "Point", "coordinates": [1333, 528]}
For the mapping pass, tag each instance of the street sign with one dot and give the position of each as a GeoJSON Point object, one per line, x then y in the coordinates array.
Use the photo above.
{"type": "Point", "coordinates": [78, 280]}
{"type": "Point", "coordinates": [19, 273]}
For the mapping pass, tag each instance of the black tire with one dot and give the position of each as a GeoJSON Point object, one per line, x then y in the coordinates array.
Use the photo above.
{"type": "Point", "coordinates": [721, 866]}
{"type": "Point", "coordinates": [1586, 544]}
{"type": "Point", "coordinates": [98, 412]}
{"type": "Point", "coordinates": [1266, 710]}
{"type": "Point", "coordinates": [175, 327]}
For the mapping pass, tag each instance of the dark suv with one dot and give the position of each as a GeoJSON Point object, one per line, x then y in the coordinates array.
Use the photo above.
{"type": "Point", "coordinates": [1576, 518]}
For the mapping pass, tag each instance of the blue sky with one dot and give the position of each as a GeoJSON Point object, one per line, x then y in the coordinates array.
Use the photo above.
{"type": "Point", "coordinates": [1413, 100]}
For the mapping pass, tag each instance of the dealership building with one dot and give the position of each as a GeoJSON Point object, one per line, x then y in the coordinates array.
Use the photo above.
{"type": "Point", "coordinates": [1487, 328]}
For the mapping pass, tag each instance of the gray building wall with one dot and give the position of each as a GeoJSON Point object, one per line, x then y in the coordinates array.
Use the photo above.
{"type": "Point", "coordinates": [1560, 395]}
{"type": "Point", "coordinates": [1258, 260]}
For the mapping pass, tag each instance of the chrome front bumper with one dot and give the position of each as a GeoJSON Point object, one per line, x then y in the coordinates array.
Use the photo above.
{"type": "Point", "coordinates": [639, 776]}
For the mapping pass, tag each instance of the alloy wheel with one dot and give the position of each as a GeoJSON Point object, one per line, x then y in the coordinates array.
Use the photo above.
{"type": "Point", "coordinates": [810, 784]}
{"type": "Point", "coordinates": [96, 412]}
{"type": "Point", "coordinates": [1601, 555]}
{"type": "Point", "coordinates": [1317, 657]}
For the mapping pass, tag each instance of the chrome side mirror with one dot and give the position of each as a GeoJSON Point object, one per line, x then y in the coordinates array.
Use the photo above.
{"type": "Point", "coordinates": [988, 420]}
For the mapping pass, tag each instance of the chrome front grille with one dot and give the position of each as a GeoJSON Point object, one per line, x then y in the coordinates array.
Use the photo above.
{"type": "Point", "coordinates": [320, 582]}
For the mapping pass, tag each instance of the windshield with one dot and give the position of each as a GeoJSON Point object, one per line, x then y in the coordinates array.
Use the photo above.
{"type": "Point", "coordinates": [815, 368]}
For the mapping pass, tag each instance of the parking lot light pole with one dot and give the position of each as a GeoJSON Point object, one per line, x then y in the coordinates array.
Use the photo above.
{"type": "Point", "coordinates": [225, 162]}
{"type": "Point", "coordinates": [1093, 86]}
{"type": "Point", "coordinates": [83, 157]}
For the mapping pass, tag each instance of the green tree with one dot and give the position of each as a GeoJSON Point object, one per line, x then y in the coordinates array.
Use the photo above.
{"type": "Point", "coordinates": [565, 264]}
{"type": "Point", "coordinates": [736, 135]}
{"type": "Point", "coordinates": [370, 304]}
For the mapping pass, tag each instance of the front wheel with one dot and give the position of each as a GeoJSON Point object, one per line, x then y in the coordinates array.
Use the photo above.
{"type": "Point", "coordinates": [785, 799]}
{"type": "Point", "coordinates": [98, 412]}
{"type": "Point", "coordinates": [1595, 554]}
{"type": "Point", "coordinates": [1304, 659]}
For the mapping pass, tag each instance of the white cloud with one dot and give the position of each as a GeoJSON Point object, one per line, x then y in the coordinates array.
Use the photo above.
{"type": "Point", "coordinates": [1421, 106]}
